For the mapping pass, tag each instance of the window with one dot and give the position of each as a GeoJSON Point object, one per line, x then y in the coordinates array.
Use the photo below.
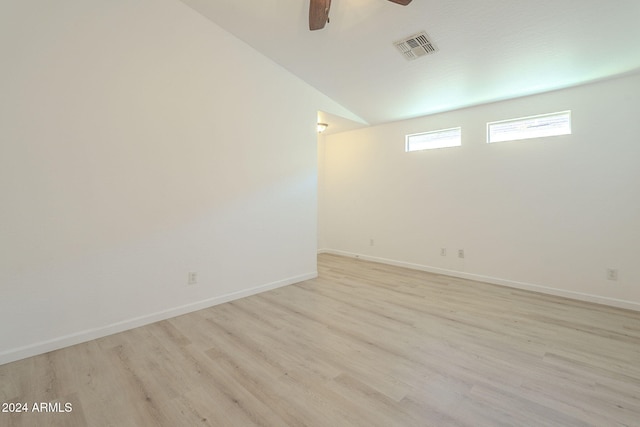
{"type": "Point", "coordinates": [436, 139]}
{"type": "Point", "coordinates": [530, 127]}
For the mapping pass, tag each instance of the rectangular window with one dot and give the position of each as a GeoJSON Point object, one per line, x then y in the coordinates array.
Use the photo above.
{"type": "Point", "coordinates": [530, 127]}
{"type": "Point", "coordinates": [436, 139]}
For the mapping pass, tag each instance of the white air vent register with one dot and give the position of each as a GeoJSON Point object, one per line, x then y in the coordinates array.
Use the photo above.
{"type": "Point", "coordinates": [415, 46]}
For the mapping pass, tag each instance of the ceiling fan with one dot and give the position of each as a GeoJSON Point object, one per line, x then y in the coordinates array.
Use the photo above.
{"type": "Point", "coordinates": [319, 12]}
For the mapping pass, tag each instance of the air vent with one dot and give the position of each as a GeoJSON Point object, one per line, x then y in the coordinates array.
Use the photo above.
{"type": "Point", "coordinates": [415, 46]}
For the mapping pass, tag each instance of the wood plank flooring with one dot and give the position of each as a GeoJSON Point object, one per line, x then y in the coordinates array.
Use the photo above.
{"type": "Point", "coordinates": [364, 344]}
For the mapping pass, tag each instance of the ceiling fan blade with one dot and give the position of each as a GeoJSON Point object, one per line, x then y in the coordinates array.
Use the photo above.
{"type": "Point", "coordinates": [319, 13]}
{"type": "Point", "coordinates": [402, 2]}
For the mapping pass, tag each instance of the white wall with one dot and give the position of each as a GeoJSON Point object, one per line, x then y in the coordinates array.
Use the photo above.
{"type": "Point", "coordinates": [549, 214]}
{"type": "Point", "coordinates": [139, 142]}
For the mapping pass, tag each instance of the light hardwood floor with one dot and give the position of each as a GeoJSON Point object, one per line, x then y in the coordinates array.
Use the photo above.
{"type": "Point", "coordinates": [364, 344]}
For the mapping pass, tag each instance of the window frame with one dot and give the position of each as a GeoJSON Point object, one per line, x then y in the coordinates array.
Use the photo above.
{"type": "Point", "coordinates": [527, 119]}
{"type": "Point", "coordinates": [407, 138]}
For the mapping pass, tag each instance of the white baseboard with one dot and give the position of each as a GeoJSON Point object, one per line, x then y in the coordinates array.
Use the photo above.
{"type": "Point", "coordinates": [95, 333]}
{"type": "Point", "coordinates": [629, 305]}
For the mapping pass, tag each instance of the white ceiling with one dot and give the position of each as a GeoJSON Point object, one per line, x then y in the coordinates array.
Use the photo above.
{"type": "Point", "coordinates": [488, 50]}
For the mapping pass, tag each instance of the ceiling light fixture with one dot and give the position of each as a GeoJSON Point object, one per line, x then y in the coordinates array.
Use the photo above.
{"type": "Point", "coordinates": [322, 127]}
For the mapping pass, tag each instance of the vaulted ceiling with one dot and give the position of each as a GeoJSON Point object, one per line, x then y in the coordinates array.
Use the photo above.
{"type": "Point", "coordinates": [487, 50]}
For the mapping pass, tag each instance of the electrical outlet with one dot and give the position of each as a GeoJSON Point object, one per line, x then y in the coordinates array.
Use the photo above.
{"type": "Point", "coordinates": [192, 278]}
{"type": "Point", "coordinates": [371, 242]}
{"type": "Point", "coordinates": [460, 253]}
{"type": "Point", "coordinates": [612, 274]}
{"type": "Point", "coordinates": [443, 251]}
